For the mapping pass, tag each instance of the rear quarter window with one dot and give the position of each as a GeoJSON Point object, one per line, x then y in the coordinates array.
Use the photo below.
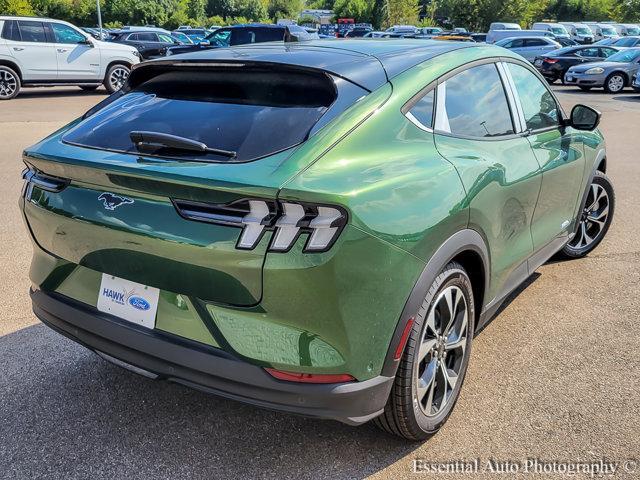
{"type": "Point", "coordinates": [254, 112]}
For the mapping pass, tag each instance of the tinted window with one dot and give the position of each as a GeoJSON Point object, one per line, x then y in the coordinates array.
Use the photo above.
{"type": "Point", "coordinates": [147, 37]}
{"type": "Point", "coordinates": [475, 104]}
{"type": "Point", "coordinates": [32, 31]}
{"type": "Point", "coordinates": [589, 52]}
{"type": "Point", "coordinates": [242, 36]}
{"type": "Point", "coordinates": [423, 109]}
{"type": "Point", "coordinates": [10, 31]}
{"type": "Point", "coordinates": [254, 112]}
{"type": "Point", "coordinates": [534, 42]}
{"type": "Point", "coordinates": [538, 105]}
{"type": "Point", "coordinates": [133, 37]}
{"type": "Point", "coordinates": [606, 52]}
{"type": "Point", "coordinates": [66, 34]}
{"type": "Point", "coordinates": [165, 38]}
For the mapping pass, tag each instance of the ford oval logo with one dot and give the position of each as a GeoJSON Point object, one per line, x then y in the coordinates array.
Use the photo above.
{"type": "Point", "coordinates": [139, 303]}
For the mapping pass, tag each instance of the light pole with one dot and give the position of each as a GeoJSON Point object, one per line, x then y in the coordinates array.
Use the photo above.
{"type": "Point", "coordinates": [99, 18]}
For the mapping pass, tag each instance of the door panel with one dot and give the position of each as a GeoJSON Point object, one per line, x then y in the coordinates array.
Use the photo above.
{"type": "Point", "coordinates": [76, 59]}
{"type": "Point", "coordinates": [35, 55]}
{"type": "Point", "coordinates": [475, 132]}
{"type": "Point", "coordinates": [558, 151]}
{"type": "Point", "coordinates": [502, 181]}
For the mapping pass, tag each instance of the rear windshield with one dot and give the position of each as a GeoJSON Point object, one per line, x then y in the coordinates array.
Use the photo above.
{"type": "Point", "coordinates": [253, 112]}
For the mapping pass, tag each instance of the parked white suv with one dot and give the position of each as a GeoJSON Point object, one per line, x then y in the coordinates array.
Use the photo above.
{"type": "Point", "coordinates": [47, 52]}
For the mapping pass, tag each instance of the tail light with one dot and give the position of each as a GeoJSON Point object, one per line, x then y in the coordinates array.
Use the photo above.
{"type": "Point", "coordinates": [550, 60]}
{"type": "Point", "coordinates": [288, 220]}
{"type": "Point", "coordinates": [309, 377]}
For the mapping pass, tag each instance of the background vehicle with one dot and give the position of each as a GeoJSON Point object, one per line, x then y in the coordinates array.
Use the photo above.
{"type": "Point", "coordinates": [243, 34]}
{"type": "Point", "coordinates": [459, 30]}
{"type": "Point", "coordinates": [358, 32]}
{"type": "Point", "coordinates": [454, 38]}
{"type": "Point", "coordinates": [45, 52]}
{"type": "Point", "coordinates": [497, 35]}
{"type": "Point", "coordinates": [479, 37]}
{"type": "Point", "coordinates": [343, 26]}
{"type": "Point", "coordinates": [579, 32]}
{"type": "Point", "coordinates": [504, 26]}
{"type": "Point", "coordinates": [303, 283]}
{"type": "Point", "coordinates": [566, 42]}
{"type": "Point", "coordinates": [627, 42]}
{"type": "Point", "coordinates": [635, 82]}
{"type": "Point", "coordinates": [601, 31]}
{"type": "Point", "coordinates": [150, 44]}
{"type": "Point", "coordinates": [625, 29]}
{"type": "Point", "coordinates": [557, 29]}
{"type": "Point", "coordinates": [613, 74]}
{"type": "Point", "coordinates": [431, 31]}
{"type": "Point", "coordinates": [555, 64]}
{"type": "Point", "coordinates": [529, 47]}
{"type": "Point", "coordinates": [403, 30]}
{"type": "Point", "coordinates": [376, 34]}
{"type": "Point", "coordinates": [195, 34]}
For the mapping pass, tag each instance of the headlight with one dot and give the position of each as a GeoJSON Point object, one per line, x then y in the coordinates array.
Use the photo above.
{"type": "Point", "coordinates": [595, 71]}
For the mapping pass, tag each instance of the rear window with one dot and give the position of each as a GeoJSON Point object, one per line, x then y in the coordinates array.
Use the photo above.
{"type": "Point", "coordinates": [254, 112]}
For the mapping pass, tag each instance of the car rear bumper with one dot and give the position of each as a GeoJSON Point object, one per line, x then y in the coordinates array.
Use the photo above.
{"type": "Point", "coordinates": [164, 356]}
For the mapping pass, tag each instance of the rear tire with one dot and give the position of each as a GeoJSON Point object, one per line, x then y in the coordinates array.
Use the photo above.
{"type": "Point", "coordinates": [434, 363]}
{"type": "Point", "coordinates": [595, 218]}
{"type": "Point", "coordinates": [9, 83]}
{"type": "Point", "coordinates": [116, 77]}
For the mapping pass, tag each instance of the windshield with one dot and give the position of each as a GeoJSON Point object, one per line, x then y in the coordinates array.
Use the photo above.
{"type": "Point", "coordinates": [625, 56]}
{"type": "Point", "coordinates": [626, 42]}
{"type": "Point", "coordinates": [633, 30]}
{"type": "Point", "coordinates": [559, 30]}
{"type": "Point", "coordinates": [583, 31]}
{"type": "Point", "coordinates": [608, 30]}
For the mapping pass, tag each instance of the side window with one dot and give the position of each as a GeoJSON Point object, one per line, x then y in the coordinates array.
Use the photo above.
{"type": "Point", "coordinates": [147, 37]}
{"type": "Point", "coordinates": [607, 52]}
{"type": "Point", "coordinates": [221, 38]}
{"type": "Point", "coordinates": [32, 31]}
{"type": "Point", "coordinates": [538, 105]}
{"type": "Point", "coordinates": [133, 37]}
{"type": "Point", "coordinates": [519, 43]}
{"type": "Point", "coordinates": [534, 42]}
{"type": "Point", "coordinates": [473, 103]}
{"type": "Point", "coordinates": [66, 34]}
{"type": "Point", "coordinates": [589, 53]}
{"type": "Point", "coordinates": [10, 31]}
{"type": "Point", "coordinates": [422, 110]}
{"type": "Point", "coordinates": [165, 38]}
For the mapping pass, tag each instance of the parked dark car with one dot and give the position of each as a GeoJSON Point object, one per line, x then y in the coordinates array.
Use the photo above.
{"type": "Point", "coordinates": [195, 34]}
{"type": "Point", "coordinates": [358, 32]}
{"type": "Point", "coordinates": [150, 44]}
{"type": "Point", "coordinates": [244, 34]}
{"type": "Point", "coordinates": [555, 64]}
{"type": "Point", "coordinates": [627, 42]}
{"type": "Point", "coordinates": [566, 42]}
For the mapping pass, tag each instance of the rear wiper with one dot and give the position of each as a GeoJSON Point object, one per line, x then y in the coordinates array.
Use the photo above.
{"type": "Point", "coordinates": [149, 140]}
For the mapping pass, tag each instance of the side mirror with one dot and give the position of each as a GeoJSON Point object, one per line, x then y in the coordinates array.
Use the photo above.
{"type": "Point", "coordinates": [584, 118]}
{"type": "Point", "coordinates": [87, 42]}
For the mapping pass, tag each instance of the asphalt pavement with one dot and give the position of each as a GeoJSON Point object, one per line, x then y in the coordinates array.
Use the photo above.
{"type": "Point", "coordinates": [555, 377]}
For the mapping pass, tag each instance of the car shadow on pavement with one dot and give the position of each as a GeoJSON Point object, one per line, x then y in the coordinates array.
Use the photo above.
{"type": "Point", "coordinates": [66, 413]}
{"type": "Point", "coordinates": [634, 97]}
{"type": "Point", "coordinates": [48, 92]}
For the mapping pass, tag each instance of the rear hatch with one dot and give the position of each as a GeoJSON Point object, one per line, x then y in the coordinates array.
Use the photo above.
{"type": "Point", "coordinates": [167, 214]}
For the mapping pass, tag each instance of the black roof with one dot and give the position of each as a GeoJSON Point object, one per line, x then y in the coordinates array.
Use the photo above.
{"type": "Point", "coordinates": [368, 63]}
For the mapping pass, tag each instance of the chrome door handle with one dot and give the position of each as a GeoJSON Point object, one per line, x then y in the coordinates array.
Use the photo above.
{"type": "Point", "coordinates": [18, 49]}
{"type": "Point", "coordinates": [62, 50]}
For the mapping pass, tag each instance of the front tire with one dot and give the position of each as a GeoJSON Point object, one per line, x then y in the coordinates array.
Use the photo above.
{"type": "Point", "coordinates": [595, 218]}
{"type": "Point", "coordinates": [614, 83]}
{"type": "Point", "coordinates": [116, 77]}
{"type": "Point", "coordinates": [434, 363]}
{"type": "Point", "coordinates": [9, 83]}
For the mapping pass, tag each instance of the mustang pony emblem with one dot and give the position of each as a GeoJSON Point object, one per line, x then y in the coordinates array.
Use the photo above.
{"type": "Point", "coordinates": [111, 201]}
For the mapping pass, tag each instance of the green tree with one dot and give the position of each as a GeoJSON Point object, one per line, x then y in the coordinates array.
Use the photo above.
{"type": "Point", "coordinates": [16, 7]}
{"type": "Point", "coordinates": [403, 12]}
{"type": "Point", "coordinates": [360, 10]}
{"type": "Point", "coordinates": [284, 9]}
{"type": "Point", "coordinates": [196, 10]}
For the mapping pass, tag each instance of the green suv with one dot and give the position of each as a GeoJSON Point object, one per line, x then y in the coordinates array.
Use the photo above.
{"type": "Point", "coordinates": [318, 228]}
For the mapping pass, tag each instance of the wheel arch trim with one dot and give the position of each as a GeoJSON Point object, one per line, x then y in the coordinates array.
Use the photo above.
{"type": "Point", "coordinates": [459, 242]}
{"type": "Point", "coordinates": [601, 159]}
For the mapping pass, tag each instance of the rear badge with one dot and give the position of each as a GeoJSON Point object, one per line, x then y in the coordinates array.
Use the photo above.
{"type": "Point", "coordinates": [111, 201]}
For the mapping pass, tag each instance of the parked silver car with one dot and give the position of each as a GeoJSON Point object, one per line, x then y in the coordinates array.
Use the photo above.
{"type": "Point", "coordinates": [529, 47]}
{"type": "Point", "coordinates": [613, 74]}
